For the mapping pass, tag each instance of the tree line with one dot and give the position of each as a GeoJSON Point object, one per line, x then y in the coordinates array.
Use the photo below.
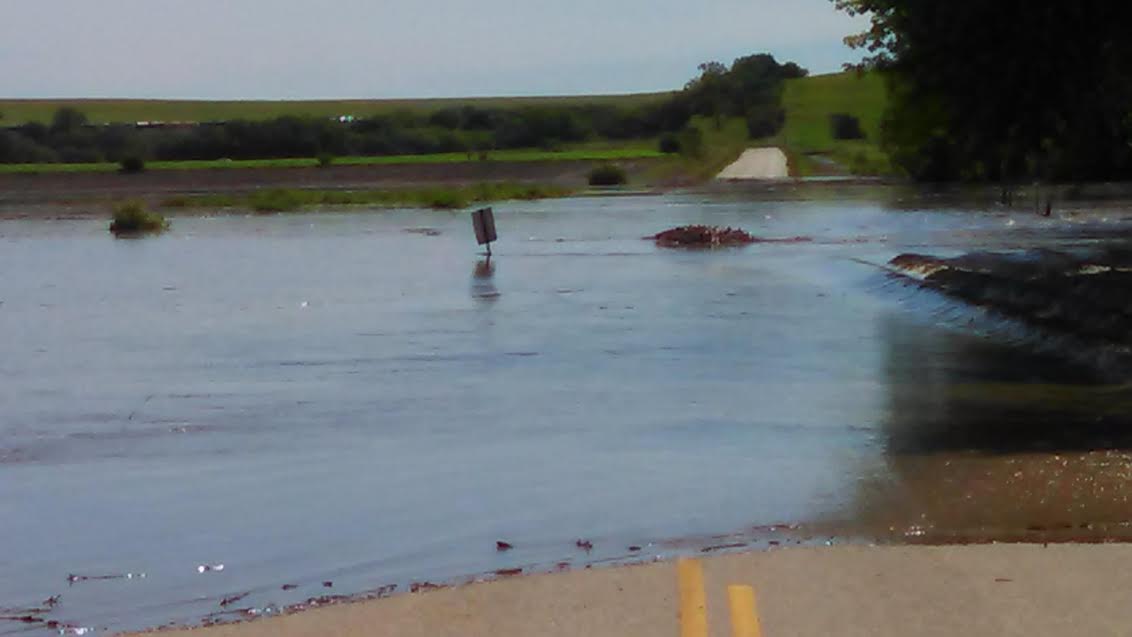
{"type": "Point", "coordinates": [751, 88]}
{"type": "Point", "coordinates": [1007, 91]}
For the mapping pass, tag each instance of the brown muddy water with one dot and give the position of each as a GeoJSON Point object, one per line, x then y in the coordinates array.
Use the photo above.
{"type": "Point", "coordinates": [357, 399]}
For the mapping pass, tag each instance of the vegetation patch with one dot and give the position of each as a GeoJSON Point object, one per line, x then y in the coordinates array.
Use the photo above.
{"type": "Point", "coordinates": [131, 219]}
{"type": "Point", "coordinates": [277, 200]}
{"type": "Point", "coordinates": [846, 126]}
{"type": "Point", "coordinates": [131, 165]}
{"type": "Point", "coordinates": [702, 237]}
{"type": "Point", "coordinates": [608, 175]}
{"type": "Point", "coordinates": [290, 200]}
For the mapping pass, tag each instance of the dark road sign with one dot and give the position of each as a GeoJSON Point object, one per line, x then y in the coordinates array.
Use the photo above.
{"type": "Point", "coordinates": [483, 222]}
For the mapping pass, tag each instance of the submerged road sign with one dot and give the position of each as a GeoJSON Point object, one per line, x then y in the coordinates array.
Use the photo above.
{"type": "Point", "coordinates": [483, 222]}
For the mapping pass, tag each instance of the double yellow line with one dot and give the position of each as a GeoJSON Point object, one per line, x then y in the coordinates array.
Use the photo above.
{"type": "Point", "coordinates": [693, 604]}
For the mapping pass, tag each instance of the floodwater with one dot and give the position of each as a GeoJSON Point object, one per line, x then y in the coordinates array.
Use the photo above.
{"type": "Point", "coordinates": [359, 399]}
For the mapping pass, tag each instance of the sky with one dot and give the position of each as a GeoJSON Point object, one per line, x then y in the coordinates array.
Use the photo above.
{"type": "Point", "coordinates": [302, 49]}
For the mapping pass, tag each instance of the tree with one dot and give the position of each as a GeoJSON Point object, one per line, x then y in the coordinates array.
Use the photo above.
{"type": "Point", "coordinates": [1003, 90]}
{"type": "Point", "coordinates": [67, 120]}
{"type": "Point", "coordinates": [754, 81]}
{"type": "Point", "coordinates": [709, 91]}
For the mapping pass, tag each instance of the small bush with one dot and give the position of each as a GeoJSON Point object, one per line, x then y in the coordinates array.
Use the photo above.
{"type": "Point", "coordinates": [325, 160]}
{"type": "Point", "coordinates": [669, 143]}
{"type": "Point", "coordinates": [608, 175]}
{"type": "Point", "coordinates": [131, 165]}
{"type": "Point", "coordinates": [846, 126]}
{"type": "Point", "coordinates": [765, 121]}
{"type": "Point", "coordinates": [691, 142]}
{"type": "Point", "coordinates": [131, 219]}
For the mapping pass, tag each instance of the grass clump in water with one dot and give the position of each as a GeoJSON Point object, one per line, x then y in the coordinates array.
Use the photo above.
{"type": "Point", "coordinates": [132, 219]}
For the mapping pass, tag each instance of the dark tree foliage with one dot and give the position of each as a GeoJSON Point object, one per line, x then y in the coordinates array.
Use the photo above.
{"type": "Point", "coordinates": [765, 120]}
{"type": "Point", "coordinates": [751, 88]}
{"type": "Point", "coordinates": [669, 143]}
{"type": "Point", "coordinates": [845, 126]}
{"type": "Point", "coordinates": [1003, 90]}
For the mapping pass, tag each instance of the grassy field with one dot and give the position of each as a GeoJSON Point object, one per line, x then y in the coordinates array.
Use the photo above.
{"type": "Point", "coordinates": [587, 154]}
{"type": "Point", "coordinates": [116, 111]}
{"type": "Point", "coordinates": [809, 102]}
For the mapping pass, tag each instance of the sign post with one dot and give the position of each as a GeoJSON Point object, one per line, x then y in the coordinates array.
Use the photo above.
{"type": "Point", "coordinates": [483, 222]}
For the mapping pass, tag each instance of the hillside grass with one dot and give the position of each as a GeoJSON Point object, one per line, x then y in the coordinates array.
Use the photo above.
{"type": "Point", "coordinates": [806, 138]}
{"type": "Point", "coordinates": [810, 101]}
{"type": "Point", "coordinates": [636, 151]}
{"type": "Point", "coordinates": [102, 111]}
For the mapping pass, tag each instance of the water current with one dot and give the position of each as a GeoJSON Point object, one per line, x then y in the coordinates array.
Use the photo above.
{"type": "Point", "coordinates": [358, 398]}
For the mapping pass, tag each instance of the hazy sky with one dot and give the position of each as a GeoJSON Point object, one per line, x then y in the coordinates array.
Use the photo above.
{"type": "Point", "coordinates": [395, 48]}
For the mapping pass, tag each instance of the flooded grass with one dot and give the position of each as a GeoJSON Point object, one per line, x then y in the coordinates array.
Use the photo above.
{"type": "Point", "coordinates": [131, 219]}
{"type": "Point", "coordinates": [440, 198]}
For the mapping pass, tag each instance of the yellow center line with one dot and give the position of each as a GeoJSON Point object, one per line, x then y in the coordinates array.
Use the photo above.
{"type": "Point", "coordinates": [744, 616]}
{"type": "Point", "coordinates": [693, 601]}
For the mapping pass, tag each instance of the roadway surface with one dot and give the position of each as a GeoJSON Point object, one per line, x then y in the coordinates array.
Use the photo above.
{"type": "Point", "coordinates": [757, 164]}
{"type": "Point", "coordinates": [973, 591]}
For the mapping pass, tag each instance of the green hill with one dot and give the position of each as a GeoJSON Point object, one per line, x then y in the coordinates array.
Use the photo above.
{"type": "Point", "coordinates": [810, 102]}
{"type": "Point", "coordinates": [102, 111]}
{"type": "Point", "coordinates": [807, 136]}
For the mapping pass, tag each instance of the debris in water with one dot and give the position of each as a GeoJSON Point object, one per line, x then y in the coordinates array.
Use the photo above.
{"type": "Point", "coordinates": [290, 587]}
{"type": "Point", "coordinates": [713, 237]}
{"type": "Point", "coordinates": [634, 548]}
{"type": "Point", "coordinates": [722, 547]}
{"type": "Point", "coordinates": [702, 236]}
{"type": "Point", "coordinates": [503, 546]}
{"type": "Point", "coordinates": [74, 579]}
{"type": "Point", "coordinates": [328, 584]}
{"type": "Point", "coordinates": [585, 545]}
{"type": "Point", "coordinates": [228, 601]}
{"type": "Point", "coordinates": [27, 619]}
{"type": "Point", "coordinates": [384, 591]}
{"type": "Point", "coordinates": [208, 568]}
